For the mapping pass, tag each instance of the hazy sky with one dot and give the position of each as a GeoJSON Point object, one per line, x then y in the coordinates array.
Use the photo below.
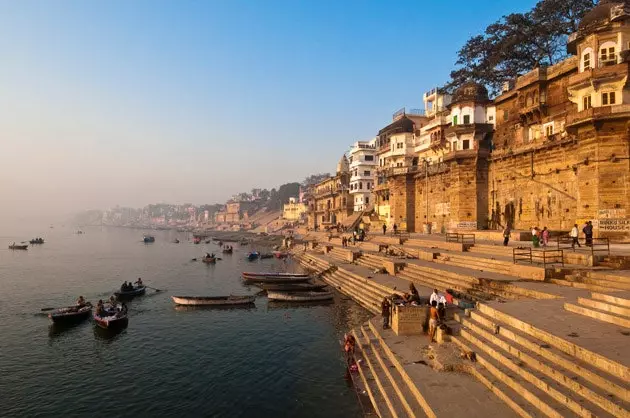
{"type": "Point", "coordinates": [133, 102]}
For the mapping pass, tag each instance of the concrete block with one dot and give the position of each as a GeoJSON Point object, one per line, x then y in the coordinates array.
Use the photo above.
{"type": "Point", "coordinates": [393, 267]}
{"type": "Point", "coordinates": [442, 335]}
{"type": "Point", "coordinates": [409, 320]}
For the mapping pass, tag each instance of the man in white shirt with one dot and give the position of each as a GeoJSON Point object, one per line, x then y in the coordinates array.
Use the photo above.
{"type": "Point", "coordinates": [434, 297]}
{"type": "Point", "coordinates": [574, 235]}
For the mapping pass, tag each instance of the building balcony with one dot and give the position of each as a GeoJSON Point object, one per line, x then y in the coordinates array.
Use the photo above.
{"type": "Point", "coordinates": [610, 71]}
{"type": "Point", "coordinates": [438, 120]}
{"type": "Point", "coordinates": [598, 113]}
{"type": "Point", "coordinates": [470, 128]}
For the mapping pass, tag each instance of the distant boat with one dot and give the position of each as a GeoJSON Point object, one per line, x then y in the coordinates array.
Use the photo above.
{"type": "Point", "coordinates": [114, 318]}
{"type": "Point", "coordinates": [71, 314]}
{"type": "Point", "coordinates": [212, 300]}
{"type": "Point", "coordinates": [176, 241]}
{"type": "Point", "coordinates": [265, 256]}
{"type": "Point", "coordinates": [18, 246]}
{"type": "Point", "coordinates": [79, 232]}
{"type": "Point", "coordinates": [227, 251]}
{"type": "Point", "coordinates": [148, 239]}
{"type": "Point", "coordinates": [299, 296]}
{"type": "Point", "coordinates": [209, 260]}
{"type": "Point", "coordinates": [253, 255]}
{"type": "Point", "coordinates": [37, 241]}
{"type": "Point", "coordinates": [281, 255]}
{"type": "Point", "coordinates": [291, 287]}
{"type": "Point", "coordinates": [128, 294]}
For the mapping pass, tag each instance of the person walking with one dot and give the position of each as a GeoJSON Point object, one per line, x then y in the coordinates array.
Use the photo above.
{"type": "Point", "coordinates": [506, 235]}
{"type": "Point", "coordinates": [395, 229]}
{"type": "Point", "coordinates": [574, 237]}
{"type": "Point", "coordinates": [384, 229]}
{"type": "Point", "coordinates": [588, 234]}
{"type": "Point", "coordinates": [545, 237]}
{"type": "Point", "coordinates": [535, 237]}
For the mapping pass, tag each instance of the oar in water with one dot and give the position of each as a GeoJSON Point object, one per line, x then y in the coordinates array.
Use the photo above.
{"type": "Point", "coordinates": [157, 290]}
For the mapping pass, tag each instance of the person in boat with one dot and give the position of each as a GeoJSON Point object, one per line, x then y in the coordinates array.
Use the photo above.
{"type": "Point", "coordinates": [100, 308]}
{"type": "Point", "coordinates": [81, 302]}
{"type": "Point", "coordinates": [207, 255]}
{"type": "Point", "coordinates": [138, 282]}
{"type": "Point", "coordinates": [112, 300]}
{"type": "Point", "coordinates": [124, 286]}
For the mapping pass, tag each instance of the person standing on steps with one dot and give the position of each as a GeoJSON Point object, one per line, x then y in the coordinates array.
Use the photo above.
{"type": "Point", "coordinates": [385, 310]}
{"type": "Point", "coordinates": [433, 321]}
{"type": "Point", "coordinates": [395, 229]}
{"type": "Point", "coordinates": [588, 234]}
{"type": "Point", "coordinates": [506, 235]}
{"type": "Point", "coordinates": [545, 237]}
{"type": "Point", "coordinates": [384, 229]}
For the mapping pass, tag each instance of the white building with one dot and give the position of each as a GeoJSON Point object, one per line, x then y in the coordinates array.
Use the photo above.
{"type": "Point", "coordinates": [363, 161]}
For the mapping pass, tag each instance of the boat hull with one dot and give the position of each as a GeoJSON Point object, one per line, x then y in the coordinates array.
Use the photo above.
{"type": "Point", "coordinates": [18, 247]}
{"type": "Point", "coordinates": [292, 287]}
{"type": "Point", "coordinates": [212, 300]}
{"type": "Point", "coordinates": [300, 296]}
{"type": "Point", "coordinates": [272, 274]}
{"type": "Point", "coordinates": [65, 316]}
{"type": "Point", "coordinates": [209, 260]}
{"type": "Point", "coordinates": [131, 293]}
{"type": "Point", "coordinates": [276, 280]}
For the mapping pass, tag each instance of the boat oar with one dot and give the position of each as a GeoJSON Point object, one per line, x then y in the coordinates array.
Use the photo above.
{"type": "Point", "coordinates": [157, 290]}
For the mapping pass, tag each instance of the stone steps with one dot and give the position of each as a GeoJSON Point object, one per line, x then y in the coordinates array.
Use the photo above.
{"type": "Point", "coordinates": [605, 306]}
{"type": "Point", "coordinates": [442, 280]}
{"type": "Point", "coordinates": [607, 374]}
{"type": "Point", "coordinates": [599, 315]}
{"type": "Point", "coordinates": [390, 406]}
{"type": "Point", "coordinates": [351, 291]}
{"type": "Point", "coordinates": [608, 284]}
{"type": "Point", "coordinates": [604, 275]}
{"type": "Point", "coordinates": [476, 263]}
{"type": "Point", "coordinates": [527, 392]}
{"type": "Point", "coordinates": [612, 299]}
{"type": "Point", "coordinates": [370, 383]}
{"type": "Point", "coordinates": [580, 396]}
{"type": "Point", "coordinates": [579, 285]}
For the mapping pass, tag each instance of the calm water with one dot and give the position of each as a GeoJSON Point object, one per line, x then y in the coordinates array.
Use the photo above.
{"type": "Point", "coordinates": [265, 361]}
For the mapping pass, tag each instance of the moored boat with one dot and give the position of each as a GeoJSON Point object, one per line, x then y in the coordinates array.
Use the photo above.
{"type": "Point", "coordinates": [70, 314]}
{"type": "Point", "coordinates": [299, 296]}
{"type": "Point", "coordinates": [127, 294]}
{"type": "Point", "coordinates": [209, 260]}
{"type": "Point", "coordinates": [253, 255]}
{"type": "Point", "coordinates": [212, 300]}
{"type": "Point", "coordinates": [176, 241]}
{"type": "Point", "coordinates": [291, 287]}
{"type": "Point", "coordinates": [275, 280]}
{"type": "Point", "coordinates": [228, 251]}
{"type": "Point", "coordinates": [265, 256]}
{"type": "Point", "coordinates": [37, 241]}
{"type": "Point", "coordinates": [114, 317]}
{"type": "Point", "coordinates": [247, 274]}
{"type": "Point", "coordinates": [148, 238]}
{"type": "Point", "coordinates": [18, 247]}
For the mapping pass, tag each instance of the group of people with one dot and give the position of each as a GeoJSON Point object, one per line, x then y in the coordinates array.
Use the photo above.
{"type": "Point", "coordinates": [437, 308]}
{"type": "Point", "coordinates": [587, 230]}
{"type": "Point", "coordinates": [540, 238]}
{"type": "Point", "coordinates": [128, 286]}
{"type": "Point", "coordinates": [357, 235]}
{"type": "Point", "coordinates": [113, 310]}
{"type": "Point", "coordinates": [207, 256]}
{"type": "Point", "coordinates": [394, 227]}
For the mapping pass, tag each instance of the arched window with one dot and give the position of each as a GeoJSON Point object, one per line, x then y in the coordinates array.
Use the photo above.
{"type": "Point", "coordinates": [586, 63]}
{"type": "Point", "coordinates": [607, 54]}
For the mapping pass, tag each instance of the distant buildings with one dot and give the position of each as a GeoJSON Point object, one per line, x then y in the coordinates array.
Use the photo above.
{"type": "Point", "coordinates": [294, 210]}
{"type": "Point", "coordinates": [362, 159]}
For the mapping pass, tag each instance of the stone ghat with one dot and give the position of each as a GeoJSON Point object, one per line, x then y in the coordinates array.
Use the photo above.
{"type": "Point", "coordinates": [533, 356]}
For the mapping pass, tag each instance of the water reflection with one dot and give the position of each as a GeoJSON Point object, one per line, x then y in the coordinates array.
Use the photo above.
{"type": "Point", "coordinates": [108, 335]}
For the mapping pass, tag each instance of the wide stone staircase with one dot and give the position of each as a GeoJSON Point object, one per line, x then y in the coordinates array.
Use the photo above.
{"type": "Point", "coordinates": [539, 374]}
{"type": "Point", "coordinates": [391, 390]}
{"type": "Point", "coordinates": [597, 281]}
{"type": "Point", "coordinates": [611, 309]}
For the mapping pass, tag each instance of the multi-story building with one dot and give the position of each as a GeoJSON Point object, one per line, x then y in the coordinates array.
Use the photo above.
{"type": "Point", "coordinates": [395, 150]}
{"type": "Point", "coordinates": [362, 159]}
{"type": "Point", "coordinates": [330, 202]}
{"type": "Point", "coordinates": [550, 150]}
{"type": "Point", "coordinates": [294, 210]}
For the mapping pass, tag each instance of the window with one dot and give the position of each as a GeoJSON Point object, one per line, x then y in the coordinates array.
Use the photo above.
{"type": "Point", "coordinates": [360, 186]}
{"type": "Point", "coordinates": [506, 115]}
{"type": "Point", "coordinates": [586, 103]}
{"type": "Point", "coordinates": [369, 158]}
{"type": "Point", "coordinates": [608, 98]}
{"type": "Point", "coordinates": [367, 200]}
{"type": "Point", "coordinates": [466, 119]}
{"type": "Point", "coordinates": [399, 145]}
{"type": "Point", "coordinates": [466, 144]}
{"type": "Point", "coordinates": [455, 120]}
{"type": "Point", "coordinates": [607, 55]}
{"type": "Point", "coordinates": [366, 173]}
{"type": "Point", "coordinates": [549, 130]}
{"type": "Point", "coordinates": [399, 164]}
{"type": "Point", "coordinates": [490, 118]}
{"type": "Point", "coordinates": [587, 61]}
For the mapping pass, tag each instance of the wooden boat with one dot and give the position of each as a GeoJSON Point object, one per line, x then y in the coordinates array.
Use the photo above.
{"type": "Point", "coordinates": [115, 317]}
{"type": "Point", "coordinates": [208, 241]}
{"type": "Point", "coordinates": [291, 287]}
{"type": "Point", "coordinates": [18, 247]}
{"type": "Point", "coordinates": [176, 241]}
{"type": "Point", "coordinates": [243, 242]}
{"type": "Point", "coordinates": [137, 291]}
{"type": "Point", "coordinates": [212, 300]}
{"type": "Point", "coordinates": [148, 238]}
{"type": "Point", "coordinates": [276, 280]}
{"type": "Point", "coordinates": [265, 256]}
{"type": "Point", "coordinates": [70, 314]}
{"type": "Point", "coordinates": [37, 241]}
{"type": "Point", "coordinates": [227, 251]}
{"type": "Point", "coordinates": [274, 274]}
{"type": "Point", "coordinates": [299, 296]}
{"type": "Point", "coordinates": [279, 254]}
{"type": "Point", "coordinates": [209, 260]}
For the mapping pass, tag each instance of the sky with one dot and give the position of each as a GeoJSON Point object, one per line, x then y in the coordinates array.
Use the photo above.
{"type": "Point", "coordinates": [106, 103]}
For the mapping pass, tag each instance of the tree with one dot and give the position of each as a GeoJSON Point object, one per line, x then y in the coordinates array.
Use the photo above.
{"type": "Point", "coordinates": [517, 43]}
{"type": "Point", "coordinates": [313, 179]}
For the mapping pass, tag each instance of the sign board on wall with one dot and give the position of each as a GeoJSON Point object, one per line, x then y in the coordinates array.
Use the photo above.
{"type": "Point", "coordinates": [465, 225]}
{"type": "Point", "coordinates": [611, 214]}
{"type": "Point", "coordinates": [614, 225]}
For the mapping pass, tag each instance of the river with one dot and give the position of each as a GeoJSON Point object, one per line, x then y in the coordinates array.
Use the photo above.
{"type": "Point", "coordinates": [266, 361]}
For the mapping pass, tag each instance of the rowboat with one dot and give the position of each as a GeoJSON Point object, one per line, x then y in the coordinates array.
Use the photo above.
{"type": "Point", "coordinates": [70, 314]}
{"type": "Point", "coordinates": [148, 238]}
{"type": "Point", "coordinates": [280, 254]}
{"type": "Point", "coordinates": [300, 296]}
{"type": "Point", "coordinates": [209, 260]}
{"type": "Point", "coordinates": [265, 256]}
{"type": "Point", "coordinates": [18, 247]}
{"type": "Point", "coordinates": [115, 317]}
{"type": "Point", "coordinates": [275, 280]}
{"type": "Point", "coordinates": [291, 287]}
{"type": "Point", "coordinates": [37, 241]}
{"type": "Point", "coordinates": [252, 275]}
{"type": "Point", "coordinates": [126, 294]}
{"type": "Point", "coordinates": [212, 300]}
{"type": "Point", "coordinates": [228, 251]}
{"type": "Point", "coordinates": [253, 256]}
